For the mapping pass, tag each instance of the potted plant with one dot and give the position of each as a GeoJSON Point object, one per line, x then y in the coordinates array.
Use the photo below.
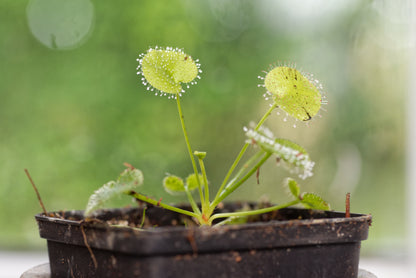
{"type": "Point", "coordinates": [210, 237]}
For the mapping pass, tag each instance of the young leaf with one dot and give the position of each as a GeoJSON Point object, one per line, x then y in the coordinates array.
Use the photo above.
{"type": "Point", "coordinates": [291, 153]}
{"type": "Point", "coordinates": [293, 187]}
{"type": "Point", "coordinates": [128, 180]}
{"type": "Point", "coordinates": [173, 185]}
{"type": "Point", "coordinates": [192, 182]}
{"type": "Point", "coordinates": [292, 145]}
{"type": "Point", "coordinates": [313, 201]}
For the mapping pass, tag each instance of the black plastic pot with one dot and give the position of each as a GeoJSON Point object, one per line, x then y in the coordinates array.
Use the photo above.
{"type": "Point", "coordinates": [299, 243]}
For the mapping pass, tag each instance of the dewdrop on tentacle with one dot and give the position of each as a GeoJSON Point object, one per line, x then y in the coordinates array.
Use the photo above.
{"type": "Point", "coordinates": [165, 69]}
{"type": "Point", "coordinates": [299, 95]}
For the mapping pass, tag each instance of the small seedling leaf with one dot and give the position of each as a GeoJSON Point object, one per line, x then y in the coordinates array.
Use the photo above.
{"type": "Point", "coordinates": [192, 182]}
{"type": "Point", "coordinates": [313, 201]}
{"type": "Point", "coordinates": [173, 185]}
{"type": "Point", "coordinates": [293, 187]}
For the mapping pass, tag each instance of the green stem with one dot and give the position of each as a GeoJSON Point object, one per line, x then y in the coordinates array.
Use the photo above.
{"type": "Point", "coordinates": [188, 145]}
{"type": "Point", "coordinates": [243, 150]}
{"type": "Point", "coordinates": [204, 174]}
{"type": "Point", "coordinates": [146, 199]}
{"type": "Point", "coordinates": [252, 212]}
{"type": "Point", "coordinates": [228, 190]}
{"type": "Point", "coordinates": [262, 120]}
{"type": "Point", "coordinates": [194, 206]}
{"type": "Point", "coordinates": [244, 168]}
{"type": "Point", "coordinates": [236, 161]}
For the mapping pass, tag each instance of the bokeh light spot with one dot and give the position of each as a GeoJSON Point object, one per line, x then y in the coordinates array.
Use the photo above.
{"type": "Point", "coordinates": [60, 24]}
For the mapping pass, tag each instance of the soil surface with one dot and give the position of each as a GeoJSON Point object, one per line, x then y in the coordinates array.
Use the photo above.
{"type": "Point", "coordinates": [148, 216]}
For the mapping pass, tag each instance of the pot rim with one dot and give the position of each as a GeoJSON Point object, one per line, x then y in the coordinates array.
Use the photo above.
{"type": "Point", "coordinates": [185, 240]}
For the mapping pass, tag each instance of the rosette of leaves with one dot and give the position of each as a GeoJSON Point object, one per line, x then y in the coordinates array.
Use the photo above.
{"type": "Point", "coordinates": [168, 71]}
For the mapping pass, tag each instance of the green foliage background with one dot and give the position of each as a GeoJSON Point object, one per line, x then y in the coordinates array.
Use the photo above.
{"type": "Point", "coordinates": [72, 117]}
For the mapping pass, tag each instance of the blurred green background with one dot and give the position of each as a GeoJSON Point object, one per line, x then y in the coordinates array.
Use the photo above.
{"type": "Point", "coordinates": [72, 108]}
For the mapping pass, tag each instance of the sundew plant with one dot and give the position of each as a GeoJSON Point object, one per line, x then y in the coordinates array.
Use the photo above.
{"type": "Point", "coordinates": [170, 72]}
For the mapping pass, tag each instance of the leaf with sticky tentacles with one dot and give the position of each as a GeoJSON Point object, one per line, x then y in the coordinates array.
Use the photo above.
{"type": "Point", "coordinates": [313, 201]}
{"type": "Point", "coordinates": [128, 180]}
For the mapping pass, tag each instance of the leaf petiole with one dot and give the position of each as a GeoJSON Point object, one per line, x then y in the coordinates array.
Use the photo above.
{"type": "Point", "coordinates": [188, 145]}
{"type": "Point", "coordinates": [251, 212]}
{"type": "Point", "coordinates": [243, 150]}
{"type": "Point", "coordinates": [229, 189]}
{"type": "Point", "coordinates": [149, 200]}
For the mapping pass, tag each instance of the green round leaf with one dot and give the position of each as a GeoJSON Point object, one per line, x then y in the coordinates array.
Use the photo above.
{"type": "Point", "coordinates": [165, 69]}
{"type": "Point", "coordinates": [293, 92]}
{"type": "Point", "coordinates": [173, 185]}
{"type": "Point", "coordinates": [192, 182]}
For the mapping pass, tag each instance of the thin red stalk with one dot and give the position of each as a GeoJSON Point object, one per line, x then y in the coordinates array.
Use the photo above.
{"type": "Point", "coordinates": [37, 192]}
{"type": "Point", "coordinates": [347, 206]}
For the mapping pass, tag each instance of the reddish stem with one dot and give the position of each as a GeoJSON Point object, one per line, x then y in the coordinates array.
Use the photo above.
{"type": "Point", "coordinates": [347, 206]}
{"type": "Point", "coordinates": [128, 165]}
{"type": "Point", "coordinates": [37, 192]}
